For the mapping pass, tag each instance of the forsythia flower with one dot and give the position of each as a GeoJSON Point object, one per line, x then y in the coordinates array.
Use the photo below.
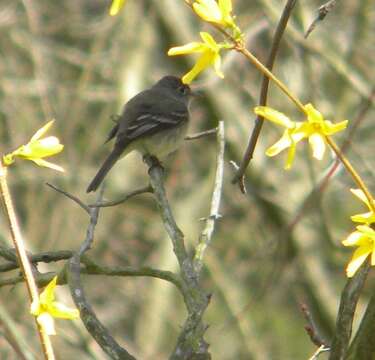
{"type": "Point", "coordinates": [116, 7]}
{"type": "Point", "coordinates": [37, 149]}
{"type": "Point", "coordinates": [210, 55]}
{"type": "Point", "coordinates": [364, 238]}
{"type": "Point", "coordinates": [365, 218]}
{"type": "Point", "coordinates": [218, 13]}
{"type": "Point", "coordinates": [45, 308]}
{"type": "Point", "coordinates": [315, 128]}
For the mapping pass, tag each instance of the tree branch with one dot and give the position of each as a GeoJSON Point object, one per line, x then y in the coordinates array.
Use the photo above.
{"type": "Point", "coordinates": [201, 134]}
{"type": "Point", "coordinates": [205, 237]}
{"type": "Point", "coordinates": [281, 26]}
{"type": "Point", "coordinates": [70, 196]}
{"type": "Point", "coordinates": [88, 316]}
{"type": "Point", "coordinates": [143, 190]}
{"type": "Point", "coordinates": [344, 322]}
{"type": "Point", "coordinates": [363, 345]}
{"type": "Point", "coordinates": [190, 343]}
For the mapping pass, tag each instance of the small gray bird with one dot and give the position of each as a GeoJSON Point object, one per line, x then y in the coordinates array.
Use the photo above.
{"type": "Point", "coordinates": [154, 122]}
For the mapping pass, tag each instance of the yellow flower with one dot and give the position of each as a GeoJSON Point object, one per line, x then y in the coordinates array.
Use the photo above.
{"type": "Point", "coordinates": [46, 308]}
{"type": "Point", "coordinates": [364, 238]}
{"type": "Point", "coordinates": [366, 218]}
{"type": "Point", "coordinates": [315, 129]}
{"type": "Point", "coordinates": [116, 6]}
{"type": "Point", "coordinates": [210, 55]}
{"type": "Point", "coordinates": [37, 149]}
{"type": "Point", "coordinates": [218, 13]}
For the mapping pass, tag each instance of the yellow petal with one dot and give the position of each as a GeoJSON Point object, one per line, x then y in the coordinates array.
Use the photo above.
{"type": "Point", "coordinates": [202, 63]}
{"type": "Point", "coordinates": [226, 10]}
{"type": "Point", "coordinates": [190, 48]}
{"type": "Point", "coordinates": [318, 145]}
{"type": "Point", "coordinates": [217, 66]}
{"type": "Point", "coordinates": [366, 218]}
{"type": "Point", "coordinates": [290, 157]}
{"type": "Point", "coordinates": [43, 148]}
{"type": "Point", "coordinates": [46, 321]}
{"type": "Point", "coordinates": [283, 143]}
{"type": "Point", "coordinates": [366, 230]}
{"type": "Point", "coordinates": [47, 296]}
{"type": "Point", "coordinates": [42, 131]}
{"type": "Point", "coordinates": [352, 239]}
{"type": "Point", "coordinates": [47, 164]}
{"type": "Point", "coordinates": [208, 10]}
{"type": "Point", "coordinates": [209, 40]}
{"type": "Point", "coordinates": [116, 7]}
{"type": "Point", "coordinates": [225, 6]}
{"type": "Point", "coordinates": [313, 115]}
{"type": "Point", "coordinates": [360, 195]}
{"type": "Point", "coordinates": [59, 310]}
{"type": "Point", "coordinates": [357, 260]}
{"type": "Point", "coordinates": [274, 116]}
{"type": "Point", "coordinates": [330, 128]}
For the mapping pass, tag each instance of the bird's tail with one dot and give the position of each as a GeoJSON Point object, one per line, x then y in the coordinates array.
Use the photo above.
{"type": "Point", "coordinates": [107, 165]}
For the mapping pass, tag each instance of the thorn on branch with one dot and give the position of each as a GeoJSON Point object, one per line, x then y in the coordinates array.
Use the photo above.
{"type": "Point", "coordinates": [311, 328]}
{"type": "Point", "coordinates": [322, 13]}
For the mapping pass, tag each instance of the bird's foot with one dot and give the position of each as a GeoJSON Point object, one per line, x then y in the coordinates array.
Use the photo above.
{"type": "Point", "coordinates": [152, 161]}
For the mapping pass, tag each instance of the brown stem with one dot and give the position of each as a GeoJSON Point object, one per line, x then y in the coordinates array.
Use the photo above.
{"type": "Point", "coordinates": [357, 179]}
{"type": "Point", "coordinates": [22, 257]}
{"type": "Point", "coordinates": [239, 176]}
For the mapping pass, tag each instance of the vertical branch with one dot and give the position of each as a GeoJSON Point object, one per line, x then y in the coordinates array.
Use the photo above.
{"type": "Point", "coordinates": [175, 234]}
{"type": "Point", "coordinates": [344, 322]}
{"type": "Point", "coordinates": [205, 237]}
{"type": "Point", "coordinates": [190, 343]}
{"type": "Point", "coordinates": [87, 314]}
{"type": "Point", "coordinates": [22, 257]}
{"type": "Point", "coordinates": [263, 94]}
{"type": "Point", "coordinates": [363, 345]}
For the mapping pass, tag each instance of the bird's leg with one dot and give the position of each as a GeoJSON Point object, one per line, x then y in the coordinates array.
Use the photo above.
{"type": "Point", "coordinates": [152, 161]}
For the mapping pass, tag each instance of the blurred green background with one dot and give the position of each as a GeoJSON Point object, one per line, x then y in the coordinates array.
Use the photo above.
{"type": "Point", "coordinates": [71, 61]}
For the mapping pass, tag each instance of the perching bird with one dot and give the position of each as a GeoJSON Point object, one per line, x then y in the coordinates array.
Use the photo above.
{"type": "Point", "coordinates": [154, 122]}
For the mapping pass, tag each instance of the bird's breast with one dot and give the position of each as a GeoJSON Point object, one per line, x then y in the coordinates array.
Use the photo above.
{"type": "Point", "coordinates": [163, 143]}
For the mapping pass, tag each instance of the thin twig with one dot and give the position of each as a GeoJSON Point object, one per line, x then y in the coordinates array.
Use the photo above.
{"type": "Point", "coordinates": [201, 134]}
{"type": "Point", "coordinates": [22, 258]}
{"type": "Point", "coordinates": [205, 237]}
{"type": "Point", "coordinates": [45, 257]}
{"type": "Point", "coordinates": [88, 316]}
{"type": "Point", "coordinates": [92, 268]}
{"type": "Point", "coordinates": [311, 328]}
{"type": "Point", "coordinates": [348, 303]}
{"type": "Point", "coordinates": [240, 173]}
{"type": "Point", "coordinates": [126, 197]}
{"type": "Point", "coordinates": [350, 169]}
{"type": "Point", "coordinates": [14, 336]}
{"type": "Point", "coordinates": [70, 196]}
{"type": "Point", "coordinates": [319, 351]}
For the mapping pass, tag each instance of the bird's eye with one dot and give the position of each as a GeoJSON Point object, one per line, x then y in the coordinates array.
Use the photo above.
{"type": "Point", "coordinates": [183, 90]}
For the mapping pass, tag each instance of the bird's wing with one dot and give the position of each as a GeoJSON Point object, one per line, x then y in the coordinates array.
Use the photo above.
{"type": "Point", "coordinates": [148, 124]}
{"type": "Point", "coordinates": [149, 113]}
{"type": "Point", "coordinates": [112, 133]}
